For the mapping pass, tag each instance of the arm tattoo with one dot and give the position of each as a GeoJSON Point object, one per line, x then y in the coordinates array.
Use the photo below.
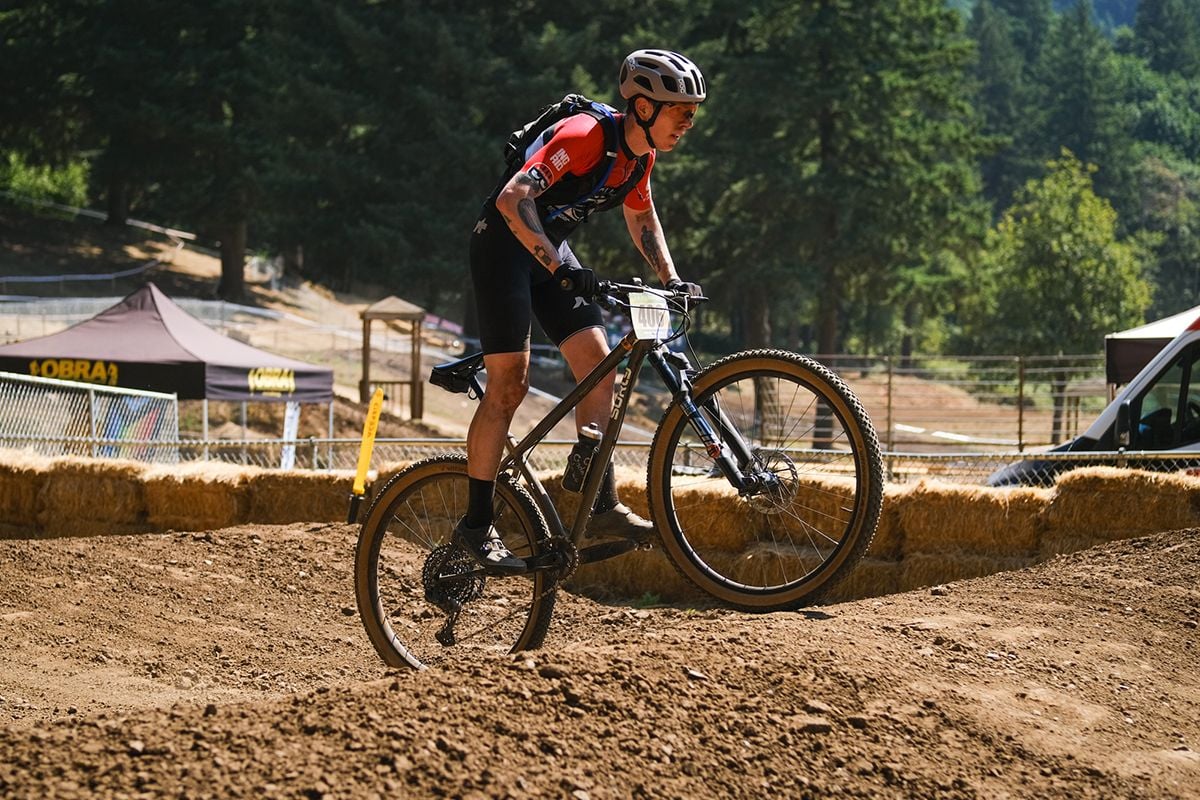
{"type": "Point", "coordinates": [541, 255]}
{"type": "Point", "coordinates": [534, 179]}
{"type": "Point", "coordinates": [651, 249]}
{"type": "Point", "coordinates": [529, 215]}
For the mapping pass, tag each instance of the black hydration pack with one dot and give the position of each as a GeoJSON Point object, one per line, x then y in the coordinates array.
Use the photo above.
{"type": "Point", "coordinates": [538, 131]}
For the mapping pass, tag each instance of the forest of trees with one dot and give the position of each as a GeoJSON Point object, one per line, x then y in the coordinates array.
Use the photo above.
{"type": "Point", "coordinates": [908, 176]}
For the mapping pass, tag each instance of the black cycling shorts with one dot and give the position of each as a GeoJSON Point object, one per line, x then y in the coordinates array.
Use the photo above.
{"type": "Point", "coordinates": [511, 288]}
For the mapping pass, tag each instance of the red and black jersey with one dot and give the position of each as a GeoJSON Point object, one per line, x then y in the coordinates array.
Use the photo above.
{"type": "Point", "coordinates": [570, 159]}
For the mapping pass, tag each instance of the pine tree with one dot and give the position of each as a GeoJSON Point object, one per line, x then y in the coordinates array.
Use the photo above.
{"type": "Point", "coordinates": [862, 158]}
{"type": "Point", "coordinates": [1002, 98]}
{"type": "Point", "coordinates": [1081, 95]}
{"type": "Point", "coordinates": [1030, 22]}
{"type": "Point", "coordinates": [1167, 34]}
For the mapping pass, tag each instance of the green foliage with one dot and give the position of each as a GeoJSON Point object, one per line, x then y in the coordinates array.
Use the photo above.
{"type": "Point", "coordinates": [1079, 94]}
{"type": "Point", "coordinates": [66, 184]}
{"type": "Point", "coordinates": [833, 194]}
{"type": "Point", "coordinates": [1055, 276]}
{"type": "Point", "coordinates": [867, 166]}
{"type": "Point", "coordinates": [1167, 35]}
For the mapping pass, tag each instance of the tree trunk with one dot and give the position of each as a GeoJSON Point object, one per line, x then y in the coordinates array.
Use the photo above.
{"type": "Point", "coordinates": [233, 262]}
{"type": "Point", "coordinates": [1058, 389]}
{"type": "Point", "coordinates": [906, 341]}
{"type": "Point", "coordinates": [117, 201]}
{"type": "Point", "coordinates": [757, 332]}
{"type": "Point", "coordinates": [757, 309]}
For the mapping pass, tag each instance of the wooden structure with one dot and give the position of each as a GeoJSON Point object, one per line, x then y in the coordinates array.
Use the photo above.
{"type": "Point", "coordinates": [393, 309]}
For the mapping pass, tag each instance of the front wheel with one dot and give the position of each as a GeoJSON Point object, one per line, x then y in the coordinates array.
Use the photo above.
{"type": "Point", "coordinates": [814, 476]}
{"type": "Point", "coordinates": [422, 599]}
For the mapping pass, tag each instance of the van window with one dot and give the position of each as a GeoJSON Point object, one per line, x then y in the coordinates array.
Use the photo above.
{"type": "Point", "coordinates": [1169, 415]}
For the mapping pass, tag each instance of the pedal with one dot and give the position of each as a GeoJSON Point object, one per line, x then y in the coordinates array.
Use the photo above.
{"type": "Point", "coordinates": [607, 550]}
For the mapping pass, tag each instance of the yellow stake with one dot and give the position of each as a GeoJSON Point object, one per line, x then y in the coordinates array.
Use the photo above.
{"type": "Point", "coordinates": [370, 425]}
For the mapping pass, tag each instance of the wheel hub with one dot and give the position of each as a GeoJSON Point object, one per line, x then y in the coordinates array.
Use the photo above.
{"type": "Point", "coordinates": [778, 481]}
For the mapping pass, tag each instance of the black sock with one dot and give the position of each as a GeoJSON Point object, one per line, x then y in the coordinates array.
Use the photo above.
{"type": "Point", "coordinates": [606, 499]}
{"type": "Point", "coordinates": [479, 502]}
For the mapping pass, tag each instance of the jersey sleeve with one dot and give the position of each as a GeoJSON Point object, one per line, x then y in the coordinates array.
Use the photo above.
{"type": "Point", "coordinates": [639, 199]}
{"type": "Point", "coordinates": [574, 147]}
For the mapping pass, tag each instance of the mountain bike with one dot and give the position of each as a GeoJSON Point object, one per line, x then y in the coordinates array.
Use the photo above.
{"type": "Point", "coordinates": [764, 480]}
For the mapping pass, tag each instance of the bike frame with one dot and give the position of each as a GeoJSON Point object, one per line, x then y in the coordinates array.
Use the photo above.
{"type": "Point", "coordinates": [724, 444]}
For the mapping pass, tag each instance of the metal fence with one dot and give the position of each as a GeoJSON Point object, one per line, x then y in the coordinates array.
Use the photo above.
{"type": "Point", "coordinates": [53, 417]}
{"type": "Point", "coordinates": [918, 403]}
{"type": "Point", "coordinates": [323, 454]}
{"type": "Point", "coordinates": [977, 403]}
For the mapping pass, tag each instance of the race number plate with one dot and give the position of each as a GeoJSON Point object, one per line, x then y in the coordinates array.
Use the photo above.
{"type": "Point", "coordinates": [651, 320]}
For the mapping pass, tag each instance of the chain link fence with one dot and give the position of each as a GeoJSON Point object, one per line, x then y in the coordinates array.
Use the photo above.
{"type": "Point", "coordinates": [978, 403]}
{"type": "Point", "coordinates": [53, 417]}
{"type": "Point", "coordinates": [960, 419]}
{"type": "Point", "coordinates": [971, 468]}
{"type": "Point", "coordinates": [60, 418]}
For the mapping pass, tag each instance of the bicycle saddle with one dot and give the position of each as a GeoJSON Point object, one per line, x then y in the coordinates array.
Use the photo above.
{"type": "Point", "coordinates": [458, 376]}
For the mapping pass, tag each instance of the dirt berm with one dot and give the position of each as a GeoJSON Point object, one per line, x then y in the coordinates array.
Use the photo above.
{"type": "Point", "coordinates": [228, 661]}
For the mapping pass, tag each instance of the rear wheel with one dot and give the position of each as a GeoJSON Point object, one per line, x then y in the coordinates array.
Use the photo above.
{"type": "Point", "coordinates": [816, 474]}
{"type": "Point", "coordinates": [421, 598]}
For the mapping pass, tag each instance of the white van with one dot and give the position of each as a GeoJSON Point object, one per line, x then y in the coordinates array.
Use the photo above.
{"type": "Point", "coordinates": [1158, 410]}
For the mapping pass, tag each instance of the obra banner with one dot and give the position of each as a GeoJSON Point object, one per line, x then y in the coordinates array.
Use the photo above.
{"type": "Point", "coordinates": [75, 369]}
{"type": "Point", "coordinates": [271, 381]}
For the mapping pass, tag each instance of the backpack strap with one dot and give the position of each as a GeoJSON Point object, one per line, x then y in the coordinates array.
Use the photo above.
{"type": "Point", "coordinates": [603, 115]}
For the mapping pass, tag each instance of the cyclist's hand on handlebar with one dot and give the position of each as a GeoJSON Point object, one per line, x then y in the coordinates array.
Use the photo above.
{"type": "Point", "coordinates": [691, 289]}
{"type": "Point", "coordinates": [579, 281]}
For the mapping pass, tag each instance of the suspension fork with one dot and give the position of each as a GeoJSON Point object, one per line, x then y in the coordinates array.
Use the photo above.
{"type": "Point", "coordinates": [724, 445]}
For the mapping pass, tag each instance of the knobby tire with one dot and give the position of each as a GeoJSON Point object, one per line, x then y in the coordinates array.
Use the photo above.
{"type": "Point", "coordinates": [414, 513]}
{"type": "Point", "coordinates": [792, 545]}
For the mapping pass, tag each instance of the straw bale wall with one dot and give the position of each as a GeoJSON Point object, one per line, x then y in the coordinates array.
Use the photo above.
{"type": "Point", "coordinates": [929, 533]}
{"type": "Point", "coordinates": [195, 496]}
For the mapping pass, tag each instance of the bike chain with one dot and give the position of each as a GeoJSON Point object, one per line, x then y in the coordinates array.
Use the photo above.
{"type": "Point", "coordinates": [465, 591]}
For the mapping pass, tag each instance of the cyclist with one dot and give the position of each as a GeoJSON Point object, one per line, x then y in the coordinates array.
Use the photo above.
{"type": "Point", "coordinates": [520, 256]}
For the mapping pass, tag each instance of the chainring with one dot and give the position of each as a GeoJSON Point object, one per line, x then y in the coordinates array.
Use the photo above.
{"type": "Point", "coordinates": [568, 554]}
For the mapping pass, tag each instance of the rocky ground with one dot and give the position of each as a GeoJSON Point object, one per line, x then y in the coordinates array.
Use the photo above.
{"type": "Point", "coordinates": [231, 663]}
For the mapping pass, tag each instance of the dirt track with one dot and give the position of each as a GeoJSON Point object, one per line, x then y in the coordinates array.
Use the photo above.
{"type": "Point", "coordinates": [231, 664]}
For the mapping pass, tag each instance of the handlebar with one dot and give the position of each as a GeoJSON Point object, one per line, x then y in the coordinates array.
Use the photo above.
{"type": "Point", "coordinates": [616, 288]}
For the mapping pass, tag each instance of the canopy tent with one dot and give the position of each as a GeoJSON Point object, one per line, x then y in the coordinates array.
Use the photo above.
{"type": "Point", "coordinates": [148, 342]}
{"type": "Point", "coordinates": [1126, 352]}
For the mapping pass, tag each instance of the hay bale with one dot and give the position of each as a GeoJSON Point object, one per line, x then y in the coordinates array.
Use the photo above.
{"type": "Point", "coordinates": [930, 569]}
{"type": "Point", "coordinates": [1102, 504]}
{"type": "Point", "coordinates": [872, 577]}
{"type": "Point", "coordinates": [279, 497]}
{"type": "Point", "coordinates": [21, 477]}
{"type": "Point", "coordinates": [889, 536]}
{"type": "Point", "coordinates": [87, 496]}
{"type": "Point", "coordinates": [634, 575]}
{"type": "Point", "coordinates": [952, 518]}
{"type": "Point", "coordinates": [196, 496]}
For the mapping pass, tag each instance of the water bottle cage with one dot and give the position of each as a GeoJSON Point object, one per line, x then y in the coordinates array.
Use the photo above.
{"type": "Point", "coordinates": [578, 462]}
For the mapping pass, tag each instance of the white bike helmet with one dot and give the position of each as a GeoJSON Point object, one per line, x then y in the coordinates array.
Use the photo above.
{"type": "Point", "coordinates": [663, 76]}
